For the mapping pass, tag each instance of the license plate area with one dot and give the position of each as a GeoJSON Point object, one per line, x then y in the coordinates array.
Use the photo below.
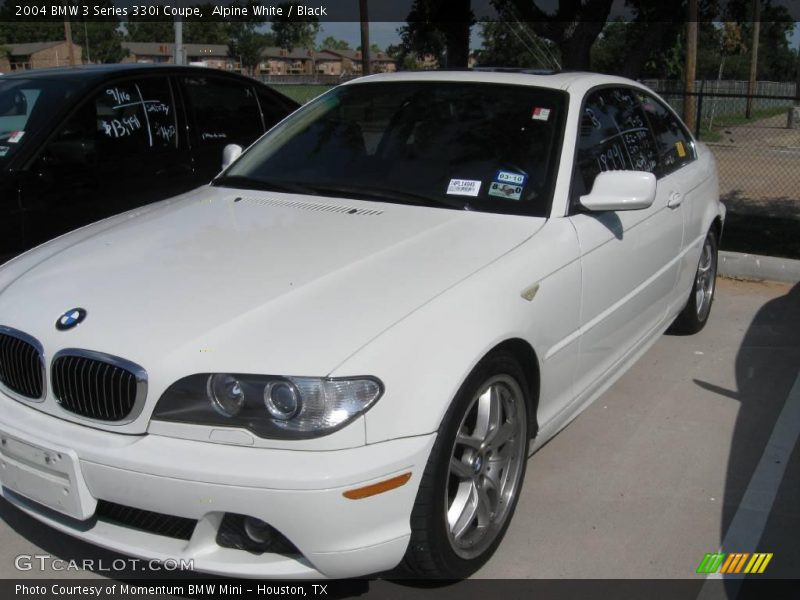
{"type": "Point", "coordinates": [47, 475]}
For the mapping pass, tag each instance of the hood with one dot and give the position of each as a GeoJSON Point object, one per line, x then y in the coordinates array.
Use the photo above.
{"type": "Point", "coordinates": [227, 280]}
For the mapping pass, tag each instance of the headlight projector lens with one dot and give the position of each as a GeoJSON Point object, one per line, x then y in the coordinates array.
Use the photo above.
{"type": "Point", "coordinates": [282, 399]}
{"type": "Point", "coordinates": [226, 394]}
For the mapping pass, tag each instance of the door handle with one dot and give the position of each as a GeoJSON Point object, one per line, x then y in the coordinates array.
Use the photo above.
{"type": "Point", "coordinates": [675, 200]}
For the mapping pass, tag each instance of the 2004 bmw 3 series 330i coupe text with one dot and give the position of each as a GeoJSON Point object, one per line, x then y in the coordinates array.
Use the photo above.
{"type": "Point", "coordinates": [336, 358]}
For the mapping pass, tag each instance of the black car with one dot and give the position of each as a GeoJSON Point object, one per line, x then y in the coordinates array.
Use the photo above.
{"type": "Point", "coordinates": [80, 144]}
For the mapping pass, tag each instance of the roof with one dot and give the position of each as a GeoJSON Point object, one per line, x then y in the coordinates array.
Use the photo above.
{"type": "Point", "coordinates": [93, 73]}
{"type": "Point", "coordinates": [167, 49]}
{"type": "Point", "coordinates": [353, 55]}
{"type": "Point", "coordinates": [32, 47]}
{"type": "Point", "coordinates": [574, 81]}
{"type": "Point", "coordinates": [295, 53]}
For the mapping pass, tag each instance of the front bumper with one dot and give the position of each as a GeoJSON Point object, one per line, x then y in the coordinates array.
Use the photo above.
{"type": "Point", "coordinates": [299, 493]}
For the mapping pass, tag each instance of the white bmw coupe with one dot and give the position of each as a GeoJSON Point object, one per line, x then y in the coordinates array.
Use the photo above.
{"type": "Point", "coordinates": [337, 358]}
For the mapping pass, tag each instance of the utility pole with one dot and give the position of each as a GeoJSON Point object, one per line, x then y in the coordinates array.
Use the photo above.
{"type": "Point", "coordinates": [68, 38]}
{"type": "Point", "coordinates": [178, 41]}
{"type": "Point", "coordinates": [751, 88]}
{"type": "Point", "coordinates": [691, 66]}
{"type": "Point", "coordinates": [362, 7]}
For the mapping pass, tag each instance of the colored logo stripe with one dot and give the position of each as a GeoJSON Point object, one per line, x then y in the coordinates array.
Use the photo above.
{"type": "Point", "coordinates": [758, 563]}
{"type": "Point", "coordinates": [734, 562]}
{"type": "Point", "coordinates": [711, 563]}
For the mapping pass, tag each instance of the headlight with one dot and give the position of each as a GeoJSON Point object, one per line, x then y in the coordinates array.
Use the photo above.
{"type": "Point", "coordinates": [270, 407]}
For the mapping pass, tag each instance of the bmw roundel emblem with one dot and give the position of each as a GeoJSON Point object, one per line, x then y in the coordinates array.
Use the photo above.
{"type": "Point", "coordinates": [70, 319]}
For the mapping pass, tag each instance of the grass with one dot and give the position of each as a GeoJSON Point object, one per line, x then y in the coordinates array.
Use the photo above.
{"type": "Point", "coordinates": [723, 121]}
{"type": "Point", "coordinates": [299, 92]}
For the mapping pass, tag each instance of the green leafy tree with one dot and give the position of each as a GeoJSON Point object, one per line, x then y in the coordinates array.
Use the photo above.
{"type": "Point", "coordinates": [144, 29]}
{"type": "Point", "coordinates": [205, 31]}
{"type": "Point", "coordinates": [333, 43]}
{"type": "Point", "coordinates": [573, 27]}
{"type": "Point", "coordinates": [101, 40]}
{"type": "Point", "coordinates": [292, 34]}
{"type": "Point", "coordinates": [101, 37]}
{"type": "Point", "coordinates": [246, 44]}
{"type": "Point", "coordinates": [14, 31]}
{"type": "Point", "coordinates": [507, 44]}
{"type": "Point", "coordinates": [373, 49]}
{"type": "Point", "coordinates": [439, 30]}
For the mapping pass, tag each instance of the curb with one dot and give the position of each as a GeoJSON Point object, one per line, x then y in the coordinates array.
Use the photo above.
{"type": "Point", "coordinates": [753, 266]}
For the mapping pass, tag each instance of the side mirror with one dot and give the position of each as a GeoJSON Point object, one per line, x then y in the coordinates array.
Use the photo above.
{"type": "Point", "coordinates": [621, 190]}
{"type": "Point", "coordinates": [229, 154]}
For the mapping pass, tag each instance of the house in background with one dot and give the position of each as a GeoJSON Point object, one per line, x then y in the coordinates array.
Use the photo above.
{"type": "Point", "coordinates": [214, 56]}
{"type": "Point", "coordinates": [348, 62]}
{"type": "Point", "coordinates": [38, 55]}
{"type": "Point", "coordinates": [280, 61]}
{"type": "Point", "coordinates": [274, 60]}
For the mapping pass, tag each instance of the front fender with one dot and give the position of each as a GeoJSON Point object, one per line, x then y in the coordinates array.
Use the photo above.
{"type": "Point", "coordinates": [424, 359]}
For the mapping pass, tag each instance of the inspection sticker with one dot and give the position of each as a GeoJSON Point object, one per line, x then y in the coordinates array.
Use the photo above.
{"type": "Point", "coordinates": [509, 177]}
{"type": "Point", "coordinates": [464, 187]}
{"type": "Point", "coordinates": [504, 190]}
{"type": "Point", "coordinates": [540, 114]}
{"type": "Point", "coordinates": [4, 150]}
{"type": "Point", "coordinates": [15, 136]}
{"type": "Point", "coordinates": [681, 150]}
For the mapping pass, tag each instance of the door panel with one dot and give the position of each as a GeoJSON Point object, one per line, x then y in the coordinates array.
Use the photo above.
{"type": "Point", "coordinates": [629, 259]}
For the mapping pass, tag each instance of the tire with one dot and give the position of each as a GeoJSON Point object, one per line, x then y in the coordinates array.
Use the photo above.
{"type": "Point", "coordinates": [473, 482]}
{"type": "Point", "coordinates": [694, 315]}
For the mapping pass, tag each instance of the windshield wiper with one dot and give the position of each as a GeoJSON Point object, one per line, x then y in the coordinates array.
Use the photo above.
{"type": "Point", "coordinates": [264, 185]}
{"type": "Point", "coordinates": [384, 195]}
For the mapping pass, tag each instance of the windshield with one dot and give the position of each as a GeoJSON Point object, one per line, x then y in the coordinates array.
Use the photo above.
{"type": "Point", "coordinates": [25, 106]}
{"type": "Point", "coordinates": [459, 145]}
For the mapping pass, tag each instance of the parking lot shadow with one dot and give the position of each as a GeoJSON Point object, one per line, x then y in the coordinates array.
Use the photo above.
{"type": "Point", "coordinates": [766, 369]}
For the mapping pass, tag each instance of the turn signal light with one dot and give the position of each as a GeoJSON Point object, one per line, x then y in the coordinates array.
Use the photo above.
{"type": "Point", "coordinates": [377, 488]}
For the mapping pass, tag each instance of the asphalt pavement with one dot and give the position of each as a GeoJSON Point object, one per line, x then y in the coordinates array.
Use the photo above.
{"type": "Point", "coordinates": [693, 451]}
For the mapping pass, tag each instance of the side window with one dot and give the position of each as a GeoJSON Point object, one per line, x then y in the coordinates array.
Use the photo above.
{"type": "Point", "coordinates": [675, 147]}
{"type": "Point", "coordinates": [120, 120]}
{"type": "Point", "coordinates": [135, 116]}
{"type": "Point", "coordinates": [224, 111]}
{"type": "Point", "coordinates": [273, 107]}
{"type": "Point", "coordinates": [613, 136]}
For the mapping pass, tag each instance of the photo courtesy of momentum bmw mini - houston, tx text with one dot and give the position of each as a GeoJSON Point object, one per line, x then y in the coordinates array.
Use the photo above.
{"type": "Point", "coordinates": [336, 358]}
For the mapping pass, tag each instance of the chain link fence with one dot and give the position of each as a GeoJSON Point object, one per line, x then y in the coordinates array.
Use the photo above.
{"type": "Point", "coordinates": [758, 159]}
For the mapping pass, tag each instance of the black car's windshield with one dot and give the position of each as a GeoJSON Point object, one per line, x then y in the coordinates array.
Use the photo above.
{"type": "Point", "coordinates": [479, 146]}
{"type": "Point", "coordinates": [25, 106]}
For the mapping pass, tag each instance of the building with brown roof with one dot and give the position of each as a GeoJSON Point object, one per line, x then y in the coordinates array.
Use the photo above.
{"type": "Point", "coordinates": [37, 55]}
{"type": "Point", "coordinates": [214, 56]}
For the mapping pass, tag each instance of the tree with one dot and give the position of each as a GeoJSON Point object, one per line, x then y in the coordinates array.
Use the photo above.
{"type": "Point", "coordinates": [573, 28]}
{"type": "Point", "coordinates": [292, 34]}
{"type": "Point", "coordinates": [439, 30]}
{"type": "Point", "coordinates": [373, 49]}
{"type": "Point", "coordinates": [205, 31]}
{"type": "Point", "coordinates": [101, 38]}
{"type": "Point", "coordinates": [246, 44]}
{"type": "Point", "coordinates": [333, 43]}
{"type": "Point", "coordinates": [13, 31]}
{"type": "Point", "coordinates": [776, 60]}
{"type": "Point", "coordinates": [148, 29]}
{"type": "Point", "coordinates": [509, 44]}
